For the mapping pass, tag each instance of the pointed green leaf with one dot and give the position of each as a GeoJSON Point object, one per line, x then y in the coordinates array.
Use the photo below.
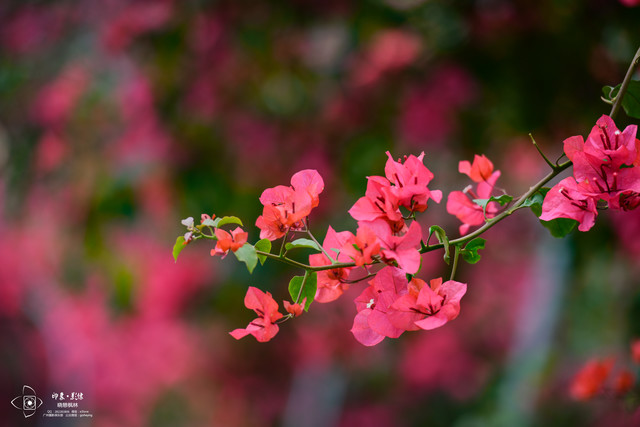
{"type": "Point", "coordinates": [219, 222]}
{"type": "Point", "coordinates": [178, 247]}
{"type": "Point", "coordinates": [247, 254]}
{"type": "Point", "coordinates": [560, 227]}
{"type": "Point", "coordinates": [303, 243]}
{"type": "Point", "coordinates": [310, 282]}
{"type": "Point", "coordinates": [470, 251]}
{"type": "Point", "coordinates": [263, 245]}
{"type": "Point", "coordinates": [442, 238]}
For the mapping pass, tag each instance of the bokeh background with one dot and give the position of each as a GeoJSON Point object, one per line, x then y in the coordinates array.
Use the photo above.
{"type": "Point", "coordinates": [119, 118]}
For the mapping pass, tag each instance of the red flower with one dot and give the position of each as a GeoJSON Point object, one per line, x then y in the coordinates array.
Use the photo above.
{"type": "Point", "coordinates": [226, 241]}
{"type": "Point", "coordinates": [264, 327]}
{"type": "Point", "coordinates": [371, 325]}
{"type": "Point", "coordinates": [623, 382]}
{"type": "Point", "coordinates": [461, 204]}
{"type": "Point", "coordinates": [331, 283]}
{"type": "Point", "coordinates": [362, 247]}
{"type": "Point", "coordinates": [295, 309]}
{"type": "Point", "coordinates": [403, 249]}
{"type": "Point", "coordinates": [479, 171]}
{"type": "Point", "coordinates": [427, 307]}
{"type": "Point", "coordinates": [590, 379]}
{"type": "Point", "coordinates": [286, 207]}
{"type": "Point", "coordinates": [568, 199]}
{"type": "Point", "coordinates": [411, 179]}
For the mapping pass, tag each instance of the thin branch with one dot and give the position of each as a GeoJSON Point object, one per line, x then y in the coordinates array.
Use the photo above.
{"type": "Point", "coordinates": [617, 102]}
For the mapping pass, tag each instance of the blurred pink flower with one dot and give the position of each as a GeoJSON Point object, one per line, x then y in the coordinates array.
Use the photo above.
{"type": "Point", "coordinates": [589, 381]}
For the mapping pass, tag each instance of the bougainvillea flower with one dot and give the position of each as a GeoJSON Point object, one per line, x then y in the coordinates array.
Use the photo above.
{"type": "Point", "coordinates": [362, 247]}
{"type": "Point", "coordinates": [226, 241]}
{"type": "Point", "coordinates": [411, 179]}
{"type": "Point", "coordinates": [284, 209]}
{"type": "Point", "coordinates": [264, 327]}
{"type": "Point", "coordinates": [427, 307]}
{"type": "Point", "coordinates": [331, 283]}
{"type": "Point", "coordinates": [590, 380]}
{"type": "Point", "coordinates": [295, 309]}
{"type": "Point", "coordinates": [607, 142]}
{"type": "Point", "coordinates": [379, 202]}
{"type": "Point", "coordinates": [479, 171]}
{"type": "Point", "coordinates": [460, 203]}
{"type": "Point", "coordinates": [402, 249]}
{"type": "Point", "coordinates": [371, 325]}
{"type": "Point", "coordinates": [568, 199]}
{"type": "Point", "coordinates": [308, 180]}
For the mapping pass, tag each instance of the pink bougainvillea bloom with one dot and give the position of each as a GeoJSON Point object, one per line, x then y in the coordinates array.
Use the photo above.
{"type": "Point", "coordinates": [371, 325]}
{"type": "Point", "coordinates": [309, 180]}
{"type": "Point", "coordinates": [590, 380]}
{"type": "Point", "coordinates": [264, 327]}
{"type": "Point", "coordinates": [362, 247]}
{"type": "Point", "coordinates": [607, 142]}
{"type": "Point", "coordinates": [568, 199]}
{"type": "Point", "coordinates": [331, 283]}
{"type": "Point", "coordinates": [226, 241]}
{"type": "Point", "coordinates": [295, 309]}
{"type": "Point", "coordinates": [460, 203]}
{"type": "Point", "coordinates": [427, 307]}
{"type": "Point", "coordinates": [402, 249]}
{"type": "Point", "coordinates": [479, 171]}
{"type": "Point", "coordinates": [411, 179]}
{"type": "Point", "coordinates": [379, 202]}
{"type": "Point", "coordinates": [285, 207]}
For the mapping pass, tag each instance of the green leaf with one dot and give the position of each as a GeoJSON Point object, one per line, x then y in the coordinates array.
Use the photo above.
{"type": "Point", "coordinates": [560, 227]}
{"type": "Point", "coordinates": [303, 243]}
{"type": "Point", "coordinates": [503, 200]}
{"type": "Point", "coordinates": [631, 99]}
{"type": "Point", "coordinates": [178, 247]}
{"type": "Point", "coordinates": [470, 251]}
{"type": "Point", "coordinates": [219, 222]}
{"type": "Point", "coordinates": [263, 245]}
{"type": "Point", "coordinates": [442, 238]}
{"type": "Point", "coordinates": [310, 281]}
{"type": "Point", "coordinates": [247, 254]}
{"type": "Point", "coordinates": [209, 222]}
{"type": "Point", "coordinates": [535, 202]}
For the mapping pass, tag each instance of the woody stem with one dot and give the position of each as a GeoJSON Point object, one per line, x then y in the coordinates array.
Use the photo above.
{"type": "Point", "coordinates": [617, 103]}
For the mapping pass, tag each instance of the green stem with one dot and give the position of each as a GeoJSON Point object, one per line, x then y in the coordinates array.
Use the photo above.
{"type": "Point", "coordinates": [541, 153]}
{"type": "Point", "coordinates": [617, 103]}
{"type": "Point", "coordinates": [517, 205]}
{"type": "Point", "coordinates": [303, 266]}
{"type": "Point", "coordinates": [455, 262]}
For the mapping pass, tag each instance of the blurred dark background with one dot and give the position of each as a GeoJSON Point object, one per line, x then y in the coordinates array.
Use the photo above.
{"type": "Point", "coordinates": [119, 118]}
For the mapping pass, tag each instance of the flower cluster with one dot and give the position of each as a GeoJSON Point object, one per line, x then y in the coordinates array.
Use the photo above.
{"type": "Point", "coordinates": [286, 207]}
{"type": "Point", "coordinates": [391, 305]}
{"type": "Point", "coordinates": [605, 167]}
